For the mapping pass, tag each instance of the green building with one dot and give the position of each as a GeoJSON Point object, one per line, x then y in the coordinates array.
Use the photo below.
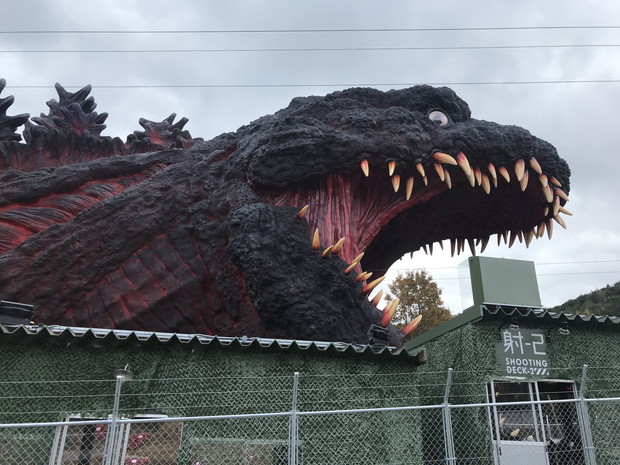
{"type": "Point", "coordinates": [545, 382]}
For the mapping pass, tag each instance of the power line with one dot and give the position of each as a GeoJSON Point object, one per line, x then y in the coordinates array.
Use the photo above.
{"type": "Point", "coordinates": [296, 31]}
{"type": "Point", "coordinates": [357, 84]}
{"type": "Point", "coordinates": [537, 264]}
{"type": "Point", "coordinates": [323, 49]}
{"type": "Point", "coordinates": [445, 278]}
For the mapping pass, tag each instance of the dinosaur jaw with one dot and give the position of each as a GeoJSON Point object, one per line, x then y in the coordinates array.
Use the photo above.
{"type": "Point", "coordinates": [353, 207]}
{"type": "Point", "coordinates": [387, 211]}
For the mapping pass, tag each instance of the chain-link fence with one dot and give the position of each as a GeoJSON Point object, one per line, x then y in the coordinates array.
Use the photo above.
{"type": "Point", "coordinates": [398, 418]}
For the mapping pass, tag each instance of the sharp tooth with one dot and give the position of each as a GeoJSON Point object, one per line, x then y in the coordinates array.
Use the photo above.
{"type": "Point", "coordinates": [440, 171]}
{"type": "Point", "coordinates": [316, 244]}
{"type": "Point", "coordinates": [493, 173]}
{"type": "Point", "coordinates": [353, 264]}
{"type": "Point", "coordinates": [420, 169]}
{"type": "Point", "coordinates": [363, 276]}
{"type": "Point", "coordinates": [478, 175]}
{"type": "Point", "coordinates": [555, 181]}
{"type": "Point", "coordinates": [349, 268]}
{"type": "Point", "coordinates": [409, 187]}
{"type": "Point", "coordinates": [544, 180]}
{"type": "Point", "coordinates": [486, 184]}
{"type": "Point", "coordinates": [461, 245]}
{"type": "Point", "coordinates": [560, 221]}
{"type": "Point", "coordinates": [505, 236]}
{"type": "Point", "coordinates": [463, 162]}
{"type": "Point", "coordinates": [556, 205]}
{"type": "Point", "coordinates": [411, 326]}
{"type": "Point", "coordinates": [565, 211]}
{"type": "Point", "coordinates": [548, 194]}
{"type": "Point", "coordinates": [472, 247]}
{"type": "Point", "coordinates": [499, 239]}
{"type": "Point", "coordinates": [546, 211]}
{"type": "Point", "coordinates": [535, 165]}
{"type": "Point", "coordinates": [444, 158]}
{"type": "Point", "coordinates": [524, 180]}
{"type": "Point", "coordinates": [411, 255]}
{"type": "Point", "coordinates": [520, 236]}
{"type": "Point", "coordinates": [389, 311]}
{"type": "Point", "coordinates": [448, 180]}
{"type": "Point", "coordinates": [529, 236]}
{"type": "Point", "coordinates": [540, 230]}
{"type": "Point", "coordinates": [504, 172]}
{"type": "Point", "coordinates": [301, 213]}
{"type": "Point", "coordinates": [396, 182]}
{"type": "Point", "coordinates": [371, 285]}
{"type": "Point", "coordinates": [519, 168]}
{"type": "Point", "coordinates": [485, 242]}
{"type": "Point", "coordinates": [513, 238]}
{"type": "Point", "coordinates": [391, 167]}
{"type": "Point", "coordinates": [559, 192]}
{"type": "Point", "coordinates": [327, 252]}
{"type": "Point", "coordinates": [376, 299]}
{"type": "Point", "coordinates": [365, 167]}
{"type": "Point", "coordinates": [471, 179]}
{"type": "Point", "coordinates": [549, 228]}
{"type": "Point", "coordinates": [440, 244]}
{"type": "Point", "coordinates": [452, 246]}
{"type": "Point", "coordinates": [425, 180]}
{"type": "Point", "coordinates": [425, 249]}
{"type": "Point", "coordinates": [430, 248]}
{"type": "Point", "coordinates": [338, 246]}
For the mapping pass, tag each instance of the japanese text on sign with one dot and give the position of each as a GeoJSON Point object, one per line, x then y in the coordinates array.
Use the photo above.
{"type": "Point", "coordinates": [523, 352]}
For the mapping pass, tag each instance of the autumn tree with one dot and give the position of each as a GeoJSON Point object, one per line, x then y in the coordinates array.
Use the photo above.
{"type": "Point", "coordinates": [419, 295]}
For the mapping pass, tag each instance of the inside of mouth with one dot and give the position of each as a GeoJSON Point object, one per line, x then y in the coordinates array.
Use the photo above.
{"type": "Point", "coordinates": [375, 216]}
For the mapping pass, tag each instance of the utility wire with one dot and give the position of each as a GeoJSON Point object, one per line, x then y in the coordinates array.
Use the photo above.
{"type": "Point", "coordinates": [537, 264]}
{"type": "Point", "coordinates": [312, 31]}
{"type": "Point", "coordinates": [356, 84]}
{"type": "Point", "coordinates": [537, 274]}
{"type": "Point", "coordinates": [323, 49]}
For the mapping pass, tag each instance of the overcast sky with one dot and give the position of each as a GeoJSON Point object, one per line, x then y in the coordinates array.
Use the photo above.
{"type": "Point", "coordinates": [580, 119]}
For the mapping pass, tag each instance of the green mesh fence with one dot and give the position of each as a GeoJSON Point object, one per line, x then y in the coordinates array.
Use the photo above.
{"type": "Point", "coordinates": [176, 384]}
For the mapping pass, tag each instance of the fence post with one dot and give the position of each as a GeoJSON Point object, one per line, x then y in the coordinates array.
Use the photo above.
{"type": "Point", "coordinates": [292, 424]}
{"type": "Point", "coordinates": [447, 423]}
{"type": "Point", "coordinates": [112, 449]}
{"type": "Point", "coordinates": [584, 420]}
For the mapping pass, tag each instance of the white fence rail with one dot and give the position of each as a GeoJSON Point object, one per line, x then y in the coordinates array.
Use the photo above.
{"type": "Point", "coordinates": [555, 425]}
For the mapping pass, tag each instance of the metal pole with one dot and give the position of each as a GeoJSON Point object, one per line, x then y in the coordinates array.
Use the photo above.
{"type": "Point", "coordinates": [584, 420]}
{"type": "Point", "coordinates": [292, 430]}
{"type": "Point", "coordinates": [109, 449]}
{"type": "Point", "coordinates": [112, 448]}
{"type": "Point", "coordinates": [447, 422]}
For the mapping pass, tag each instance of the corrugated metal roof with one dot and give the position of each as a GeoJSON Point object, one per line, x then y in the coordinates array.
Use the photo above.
{"type": "Point", "coordinates": [111, 337]}
{"type": "Point", "coordinates": [503, 312]}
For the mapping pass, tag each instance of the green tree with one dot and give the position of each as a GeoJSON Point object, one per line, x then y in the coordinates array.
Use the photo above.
{"type": "Point", "coordinates": [419, 295]}
{"type": "Point", "coordinates": [605, 301]}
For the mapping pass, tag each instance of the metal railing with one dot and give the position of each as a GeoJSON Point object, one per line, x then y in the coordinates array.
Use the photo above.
{"type": "Point", "coordinates": [575, 430]}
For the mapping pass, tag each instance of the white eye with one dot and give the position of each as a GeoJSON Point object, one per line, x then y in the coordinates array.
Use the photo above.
{"type": "Point", "coordinates": [438, 117]}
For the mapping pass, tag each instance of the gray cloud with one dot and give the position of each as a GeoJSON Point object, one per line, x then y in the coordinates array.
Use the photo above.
{"type": "Point", "coordinates": [579, 119]}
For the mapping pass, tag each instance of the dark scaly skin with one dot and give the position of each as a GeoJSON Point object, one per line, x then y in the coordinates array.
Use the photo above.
{"type": "Point", "coordinates": [169, 233]}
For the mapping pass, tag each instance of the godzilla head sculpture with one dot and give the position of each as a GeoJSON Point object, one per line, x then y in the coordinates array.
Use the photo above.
{"type": "Point", "coordinates": [169, 233]}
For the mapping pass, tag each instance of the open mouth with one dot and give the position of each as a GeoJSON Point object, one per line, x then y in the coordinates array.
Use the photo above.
{"type": "Point", "coordinates": [387, 209]}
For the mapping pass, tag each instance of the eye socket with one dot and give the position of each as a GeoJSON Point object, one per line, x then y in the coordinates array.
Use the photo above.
{"type": "Point", "coordinates": [438, 117]}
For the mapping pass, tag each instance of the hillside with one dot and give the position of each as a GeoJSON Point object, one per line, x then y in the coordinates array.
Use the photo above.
{"type": "Point", "coordinates": [605, 301]}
